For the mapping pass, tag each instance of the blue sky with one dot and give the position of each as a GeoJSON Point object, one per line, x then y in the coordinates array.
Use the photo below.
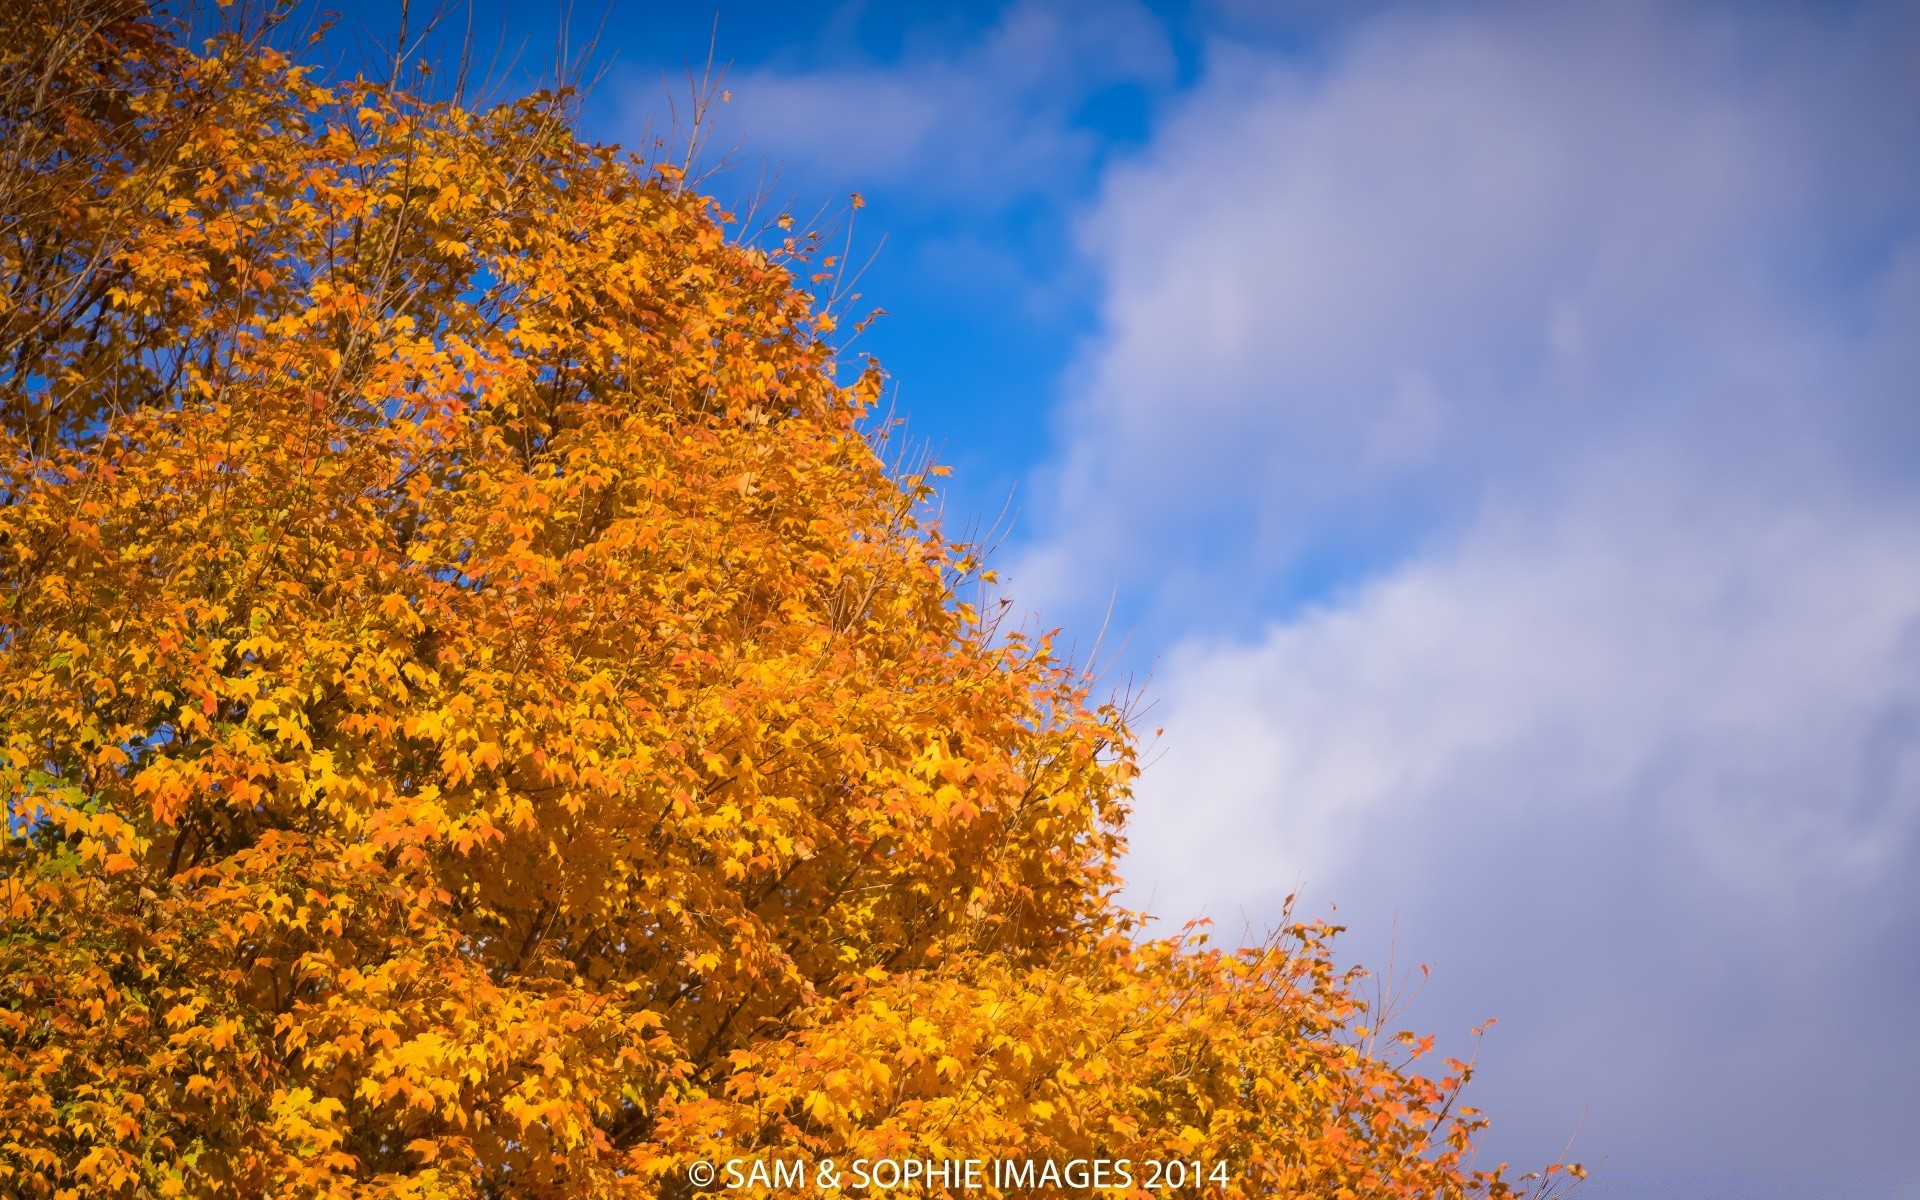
{"type": "Point", "coordinates": [1493, 429]}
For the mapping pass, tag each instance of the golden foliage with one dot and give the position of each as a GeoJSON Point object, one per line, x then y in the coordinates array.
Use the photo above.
{"type": "Point", "coordinates": [480, 720]}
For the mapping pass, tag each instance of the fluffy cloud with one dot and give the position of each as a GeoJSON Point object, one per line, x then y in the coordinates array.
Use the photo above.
{"type": "Point", "coordinates": [1340, 298]}
{"type": "Point", "coordinates": [1639, 773]}
{"type": "Point", "coordinates": [980, 119]}
{"type": "Point", "coordinates": [1508, 420]}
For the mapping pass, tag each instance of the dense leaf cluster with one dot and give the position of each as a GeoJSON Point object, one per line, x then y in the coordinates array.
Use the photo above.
{"type": "Point", "coordinates": [478, 718]}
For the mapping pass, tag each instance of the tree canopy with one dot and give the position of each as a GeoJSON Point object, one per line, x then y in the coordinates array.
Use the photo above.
{"type": "Point", "coordinates": [481, 718]}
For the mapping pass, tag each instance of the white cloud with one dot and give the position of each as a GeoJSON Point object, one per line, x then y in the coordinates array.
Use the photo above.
{"type": "Point", "coordinates": [979, 120]}
{"type": "Point", "coordinates": [1641, 779]}
{"type": "Point", "coordinates": [1473, 243]}
{"type": "Point", "coordinates": [1601, 323]}
{"type": "Point", "coordinates": [1740, 677]}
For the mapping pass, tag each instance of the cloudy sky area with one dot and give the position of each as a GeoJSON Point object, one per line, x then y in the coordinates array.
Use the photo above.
{"type": "Point", "coordinates": [1493, 430]}
{"type": "Point", "coordinates": [1504, 422]}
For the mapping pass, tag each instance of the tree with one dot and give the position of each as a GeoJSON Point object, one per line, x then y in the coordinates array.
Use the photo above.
{"type": "Point", "coordinates": [481, 719]}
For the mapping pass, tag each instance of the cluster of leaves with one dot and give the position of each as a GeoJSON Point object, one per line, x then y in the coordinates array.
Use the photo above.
{"type": "Point", "coordinates": [480, 719]}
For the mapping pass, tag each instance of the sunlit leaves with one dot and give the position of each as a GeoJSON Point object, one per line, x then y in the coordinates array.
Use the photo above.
{"type": "Point", "coordinates": [480, 718]}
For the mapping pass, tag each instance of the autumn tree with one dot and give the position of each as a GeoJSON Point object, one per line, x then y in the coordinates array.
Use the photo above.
{"type": "Point", "coordinates": [481, 719]}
